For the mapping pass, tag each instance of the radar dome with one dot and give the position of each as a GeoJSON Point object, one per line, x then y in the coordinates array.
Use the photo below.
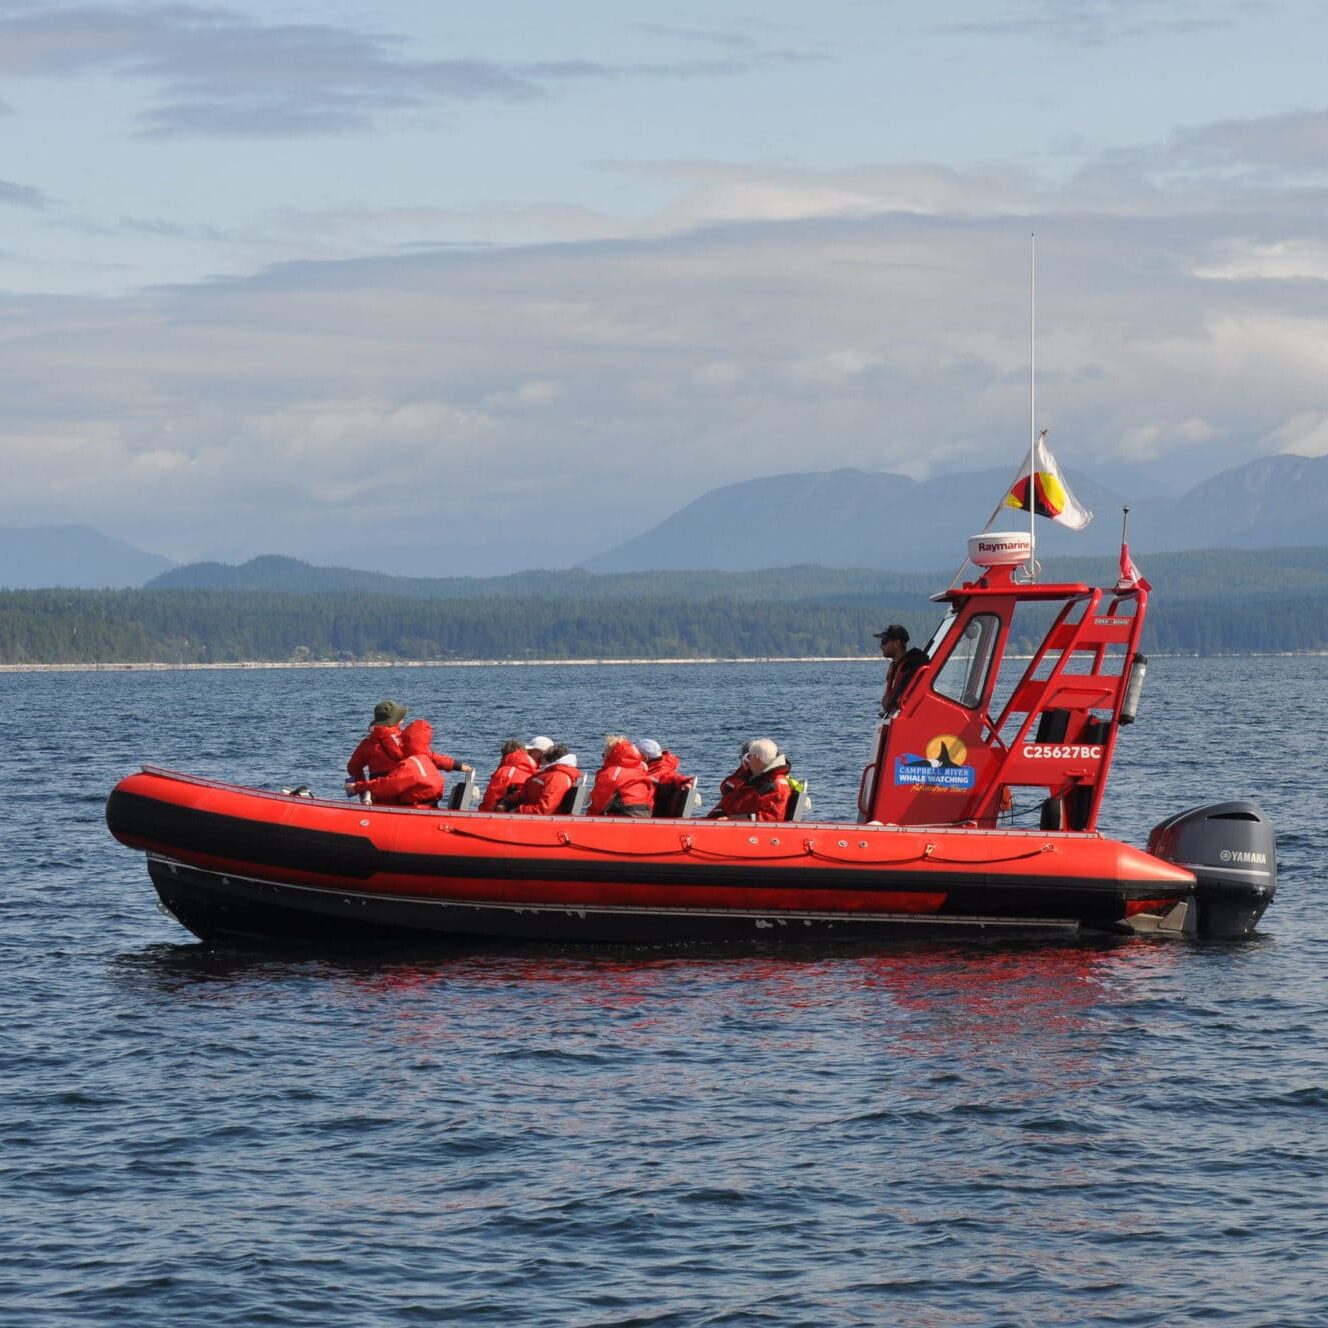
{"type": "Point", "coordinates": [1000, 548]}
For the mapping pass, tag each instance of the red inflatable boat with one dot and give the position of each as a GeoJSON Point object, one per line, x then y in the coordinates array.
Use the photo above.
{"type": "Point", "coordinates": [977, 729]}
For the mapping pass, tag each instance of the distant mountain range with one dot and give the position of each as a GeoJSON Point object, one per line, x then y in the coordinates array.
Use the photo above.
{"type": "Point", "coordinates": [75, 556]}
{"type": "Point", "coordinates": [832, 519]}
{"type": "Point", "coordinates": [275, 574]}
{"type": "Point", "coordinates": [855, 518]}
{"type": "Point", "coordinates": [1194, 575]}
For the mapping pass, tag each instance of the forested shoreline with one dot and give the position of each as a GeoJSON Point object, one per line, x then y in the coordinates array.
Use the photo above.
{"type": "Point", "coordinates": [216, 626]}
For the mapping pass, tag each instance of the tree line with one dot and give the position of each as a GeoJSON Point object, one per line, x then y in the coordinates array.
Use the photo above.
{"type": "Point", "coordinates": [222, 626]}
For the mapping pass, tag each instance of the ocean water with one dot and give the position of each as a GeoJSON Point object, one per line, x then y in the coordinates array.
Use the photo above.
{"type": "Point", "coordinates": [1116, 1132]}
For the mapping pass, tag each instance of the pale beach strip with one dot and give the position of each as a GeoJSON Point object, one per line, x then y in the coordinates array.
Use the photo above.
{"type": "Point", "coordinates": [162, 667]}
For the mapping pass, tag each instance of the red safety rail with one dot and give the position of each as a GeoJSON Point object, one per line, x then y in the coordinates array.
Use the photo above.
{"type": "Point", "coordinates": [944, 758]}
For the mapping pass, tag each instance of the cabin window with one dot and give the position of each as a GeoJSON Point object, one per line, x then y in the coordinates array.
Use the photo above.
{"type": "Point", "coordinates": [963, 676]}
{"type": "Point", "coordinates": [933, 646]}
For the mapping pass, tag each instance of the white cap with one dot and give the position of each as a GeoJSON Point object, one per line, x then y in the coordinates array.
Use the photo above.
{"type": "Point", "coordinates": [650, 749]}
{"type": "Point", "coordinates": [540, 744]}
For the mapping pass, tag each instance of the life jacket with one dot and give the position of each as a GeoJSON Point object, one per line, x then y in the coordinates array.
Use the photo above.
{"type": "Point", "coordinates": [765, 797]}
{"type": "Point", "coordinates": [543, 793]}
{"type": "Point", "coordinates": [898, 677]}
{"type": "Point", "coordinates": [424, 732]}
{"type": "Point", "coordinates": [623, 786]}
{"type": "Point", "coordinates": [730, 788]}
{"type": "Point", "coordinates": [664, 771]}
{"type": "Point", "coordinates": [507, 779]}
{"type": "Point", "coordinates": [380, 749]}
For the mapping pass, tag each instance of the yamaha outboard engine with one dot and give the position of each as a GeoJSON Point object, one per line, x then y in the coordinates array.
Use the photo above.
{"type": "Point", "coordinates": [1231, 848]}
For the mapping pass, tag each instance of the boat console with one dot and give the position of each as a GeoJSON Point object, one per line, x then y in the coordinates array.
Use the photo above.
{"type": "Point", "coordinates": [997, 715]}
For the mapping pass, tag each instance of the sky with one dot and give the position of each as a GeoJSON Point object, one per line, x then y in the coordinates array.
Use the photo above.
{"type": "Point", "coordinates": [460, 288]}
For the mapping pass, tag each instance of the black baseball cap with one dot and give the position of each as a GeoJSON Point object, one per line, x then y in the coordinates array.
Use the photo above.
{"type": "Point", "coordinates": [892, 633]}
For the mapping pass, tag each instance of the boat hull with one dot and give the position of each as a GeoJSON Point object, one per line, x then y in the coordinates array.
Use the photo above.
{"type": "Point", "coordinates": [218, 906]}
{"type": "Point", "coordinates": [230, 862]}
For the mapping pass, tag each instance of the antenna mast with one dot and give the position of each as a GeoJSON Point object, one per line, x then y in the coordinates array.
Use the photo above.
{"type": "Point", "coordinates": [1032, 405]}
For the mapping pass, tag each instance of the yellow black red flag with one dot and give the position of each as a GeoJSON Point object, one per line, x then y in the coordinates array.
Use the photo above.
{"type": "Point", "coordinates": [1040, 487]}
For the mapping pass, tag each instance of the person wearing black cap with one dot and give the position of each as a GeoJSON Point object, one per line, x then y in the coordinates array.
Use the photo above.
{"type": "Point", "coordinates": [904, 664]}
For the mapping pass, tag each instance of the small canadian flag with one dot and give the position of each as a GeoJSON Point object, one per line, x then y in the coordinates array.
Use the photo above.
{"type": "Point", "coordinates": [1131, 577]}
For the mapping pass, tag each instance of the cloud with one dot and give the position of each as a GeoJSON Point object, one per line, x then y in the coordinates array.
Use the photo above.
{"type": "Point", "coordinates": [217, 72]}
{"type": "Point", "coordinates": [532, 400]}
{"type": "Point", "coordinates": [720, 191]}
{"type": "Point", "coordinates": [1146, 442]}
{"type": "Point", "coordinates": [717, 375]}
{"type": "Point", "coordinates": [1101, 22]}
{"type": "Point", "coordinates": [158, 227]}
{"type": "Point", "coordinates": [1305, 434]}
{"type": "Point", "coordinates": [377, 230]}
{"type": "Point", "coordinates": [533, 394]}
{"type": "Point", "coordinates": [834, 369]}
{"type": "Point", "coordinates": [1295, 143]}
{"type": "Point", "coordinates": [1282, 260]}
{"type": "Point", "coordinates": [745, 47]}
{"type": "Point", "coordinates": [1212, 164]}
{"type": "Point", "coordinates": [22, 196]}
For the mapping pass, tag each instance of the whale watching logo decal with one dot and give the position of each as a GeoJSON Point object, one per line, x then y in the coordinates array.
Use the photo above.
{"type": "Point", "coordinates": [941, 766]}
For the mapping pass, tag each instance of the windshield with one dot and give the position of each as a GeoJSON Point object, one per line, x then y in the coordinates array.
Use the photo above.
{"type": "Point", "coordinates": [963, 677]}
{"type": "Point", "coordinates": [939, 635]}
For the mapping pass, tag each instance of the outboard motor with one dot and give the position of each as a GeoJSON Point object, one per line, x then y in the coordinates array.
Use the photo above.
{"type": "Point", "coordinates": [1231, 848]}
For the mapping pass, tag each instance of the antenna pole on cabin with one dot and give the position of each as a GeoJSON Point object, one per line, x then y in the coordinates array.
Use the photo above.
{"type": "Point", "coordinates": [1124, 522]}
{"type": "Point", "coordinates": [1032, 405]}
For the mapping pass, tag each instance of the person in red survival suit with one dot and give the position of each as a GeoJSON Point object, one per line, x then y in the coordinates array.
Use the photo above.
{"type": "Point", "coordinates": [730, 784]}
{"type": "Point", "coordinates": [537, 753]}
{"type": "Point", "coordinates": [662, 765]}
{"type": "Point", "coordinates": [764, 794]}
{"type": "Point", "coordinates": [543, 792]}
{"type": "Point", "coordinates": [380, 749]}
{"type": "Point", "coordinates": [416, 781]}
{"type": "Point", "coordinates": [623, 786]}
{"type": "Point", "coordinates": [672, 787]}
{"type": "Point", "coordinates": [513, 770]}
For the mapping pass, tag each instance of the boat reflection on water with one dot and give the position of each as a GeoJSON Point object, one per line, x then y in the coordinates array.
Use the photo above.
{"type": "Point", "coordinates": [952, 1011]}
{"type": "Point", "coordinates": [1005, 987]}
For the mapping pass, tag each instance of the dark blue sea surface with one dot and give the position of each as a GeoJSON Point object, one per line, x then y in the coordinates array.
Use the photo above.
{"type": "Point", "coordinates": [1116, 1132]}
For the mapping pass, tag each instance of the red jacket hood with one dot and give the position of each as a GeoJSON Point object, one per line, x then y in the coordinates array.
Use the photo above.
{"type": "Point", "coordinates": [624, 753]}
{"type": "Point", "coordinates": [417, 737]}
